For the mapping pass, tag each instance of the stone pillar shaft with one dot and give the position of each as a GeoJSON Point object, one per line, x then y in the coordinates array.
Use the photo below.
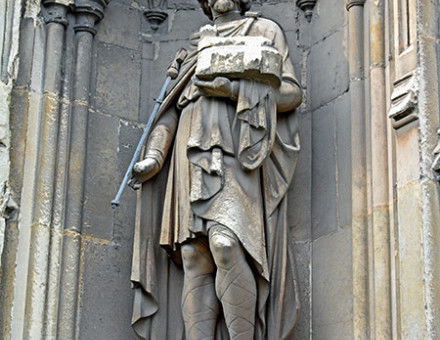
{"type": "Point", "coordinates": [28, 317]}
{"type": "Point", "coordinates": [358, 158]}
{"type": "Point", "coordinates": [380, 293]}
{"type": "Point", "coordinates": [88, 13]}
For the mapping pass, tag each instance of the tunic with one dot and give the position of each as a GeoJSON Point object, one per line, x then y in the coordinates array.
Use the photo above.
{"type": "Point", "coordinates": [219, 148]}
{"type": "Point", "coordinates": [231, 164]}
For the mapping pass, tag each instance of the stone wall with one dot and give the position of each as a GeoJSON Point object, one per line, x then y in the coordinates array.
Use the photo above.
{"type": "Point", "coordinates": [128, 57]}
{"type": "Point", "coordinates": [129, 63]}
{"type": "Point", "coordinates": [82, 270]}
{"type": "Point", "coordinates": [363, 207]}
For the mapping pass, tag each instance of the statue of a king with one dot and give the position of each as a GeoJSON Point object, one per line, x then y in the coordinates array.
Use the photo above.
{"type": "Point", "coordinates": [225, 148]}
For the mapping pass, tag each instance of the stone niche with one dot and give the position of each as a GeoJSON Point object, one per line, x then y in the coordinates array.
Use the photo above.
{"type": "Point", "coordinates": [79, 78]}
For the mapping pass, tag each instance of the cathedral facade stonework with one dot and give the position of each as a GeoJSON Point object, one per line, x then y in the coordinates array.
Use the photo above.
{"type": "Point", "coordinates": [78, 80]}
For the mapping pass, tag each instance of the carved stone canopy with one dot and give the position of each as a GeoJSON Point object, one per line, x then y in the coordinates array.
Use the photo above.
{"type": "Point", "coordinates": [307, 6]}
{"type": "Point", "coordinates": [156, 13]}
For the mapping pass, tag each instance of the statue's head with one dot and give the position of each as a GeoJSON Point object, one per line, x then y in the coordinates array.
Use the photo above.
{"type": "Point", "coordinates": [224, 6]}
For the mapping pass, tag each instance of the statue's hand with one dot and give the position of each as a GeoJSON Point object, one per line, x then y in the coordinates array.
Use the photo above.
{"type": "Point", "coordinates": [219, 87]}
{"type": "Point", "coordinates": [143, 171]}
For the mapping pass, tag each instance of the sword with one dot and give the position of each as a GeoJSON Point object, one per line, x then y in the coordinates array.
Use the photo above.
{"type": "Point", "coordinates": [172, 73]}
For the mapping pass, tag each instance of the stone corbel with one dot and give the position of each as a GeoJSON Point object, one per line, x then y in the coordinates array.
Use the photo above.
{"type": "Point", "coordinates": [404, 101]}
{"type": "Point", "coordinates": [307, 6]}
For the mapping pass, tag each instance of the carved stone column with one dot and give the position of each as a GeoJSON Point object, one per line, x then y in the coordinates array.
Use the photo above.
{"type": "Point", "coordinates": [36, 101]}
{"type": "Point", "coordinates": [56, 22]}
{"type": "Point", "coordinates": [379, 242]}
{"type": "Point", "coordinates": [358, 156]}
{"type": "Point", "coordinates": [414, 116]}
{"type": "Point", "coordinates": [88, 13]}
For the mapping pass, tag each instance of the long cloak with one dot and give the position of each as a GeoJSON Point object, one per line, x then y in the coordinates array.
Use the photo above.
{"type": "Point", "coordinates": [157, 281]}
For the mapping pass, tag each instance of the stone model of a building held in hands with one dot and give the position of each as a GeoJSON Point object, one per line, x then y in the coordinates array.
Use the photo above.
{"type": "Point", "coordinates": [227, 135]}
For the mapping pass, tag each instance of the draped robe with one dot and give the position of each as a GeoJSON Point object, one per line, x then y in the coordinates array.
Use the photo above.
{"type": "Point", "coordinates": [230, 164]}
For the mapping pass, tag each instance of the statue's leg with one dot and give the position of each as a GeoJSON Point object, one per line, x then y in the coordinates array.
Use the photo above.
{"type": "Point", "coordinates": [235, 283]}
{"type": "Point", "coordinates": [200, 306]}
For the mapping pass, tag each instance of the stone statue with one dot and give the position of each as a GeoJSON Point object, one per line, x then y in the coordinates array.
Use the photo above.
{"type": "Point", "coordinates": [226, 139]}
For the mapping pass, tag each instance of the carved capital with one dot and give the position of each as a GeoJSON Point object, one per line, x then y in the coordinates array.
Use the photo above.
{"type": "Point", "coordinates": [88, 13]}
{"type": "Point", "coordinates": [307, 6]}
{"type": "Point", "coordinates": [56, 11]}
{"type": "Point", "coordinates": [352, 3]}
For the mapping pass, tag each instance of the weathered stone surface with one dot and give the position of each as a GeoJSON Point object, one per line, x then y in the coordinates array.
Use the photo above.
{"type": "Point", "coordinates": [106, 294]}
{"type": "Point", "coordinates": [324, 198]}
{"type": "Point", "coordinates": [237, 57]}
{"type": "Point", "coordinates": [121, 26]}
{"type": "Point", "coordinates": [409, 154]}
{"type": "Point", "coordinates": [128, 55]}
{"type": "Point", "coordinates": [191, 20]}
{"type": "Point", "coordinates": [412, 296]}
{"type": "Point", "coordinates": [303, 252]}
{"type": "Point", "coordinates": [343, 159]}
{"type": "Point", "coordinates": [284, 13]}
{"type": "Point", "coordinates": [300, 192]}
{"type": "Point", "coordinates": [330, 63]}
{"type": "Point", "coordinates": [328, 17]}
{"type": "Point", "coordinates": [101, 174]}
{"type": "Point", "coordinates": [117, 81]}
{"type": "Point", "coordinates": [129, 135]}
{"type": "Point", "coordinates": [332, 286]}
{"type": "Point", "coordinates": [155, 68]}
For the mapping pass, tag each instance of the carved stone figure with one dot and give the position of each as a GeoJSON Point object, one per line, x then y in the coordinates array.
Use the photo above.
{"type": "Point", "coordinates": [226, 139]}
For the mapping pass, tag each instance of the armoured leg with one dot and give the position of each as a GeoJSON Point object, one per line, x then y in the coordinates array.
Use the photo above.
{"type": "Point", "coordinates": [200, 306]}
{"type": "Point", "coordinates": [235, 283]}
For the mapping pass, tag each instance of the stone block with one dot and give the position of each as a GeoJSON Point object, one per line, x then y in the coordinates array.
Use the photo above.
{"type": "Point", "coordinates": [283, 13]}
{"type": "Point", "coordinates": [129, 136]}
{"type": "Point", "coordinates": [332, 286]}
{"type": "Point", "coordinates": [147, 94]}
{"type": "Point", "coordinates": [121, 26]}
{"type": "Point", "coordinates": [155, 69]}
{"type": "Point", "coordinates": [103, 181]}
{"type": "Point", "coordinates": [299, 199]}
{"type": "Point", "coordinates": [148, 49]}
{"type": "Point", "coordinates": [328, 17]}
{"type": "Point", "coordinates": [408, 153]}
{"type": "Point", "coordinates": [180, 24]}
{"type": "Point", "coordinates": [97, 218]}
{"type": "Point", "coordinates": [324, 194]}
{"type": "Point", "coordinates": [183, 23]}
{"type": "Point", "coordinates": [38, 58]}
{"type": "Point", "coordinates": [342, 331]}
{"type": "Point", "coordinates": [117, 82]}
{"type": "Point", "coordinates": [238, 57]}
{"type": "Point", "coordinates": [26, 57]}
{"type": "Point", "coordinates": [296, 52]}
{"type": "Point", "coordinates": [107, 298]}
{"type": "Point", "coordinates": [101, 174]}
{"type": "Point", "coordinates": [102, 154]}
{"type": "Point", "coordinates": [410, 262]}
{"type": "Point", "coordinates": [328, 69]}
{"type": "Point", "coordinates": [343, 158]}
{"type": "Point", "coordinates": [302, 251]}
